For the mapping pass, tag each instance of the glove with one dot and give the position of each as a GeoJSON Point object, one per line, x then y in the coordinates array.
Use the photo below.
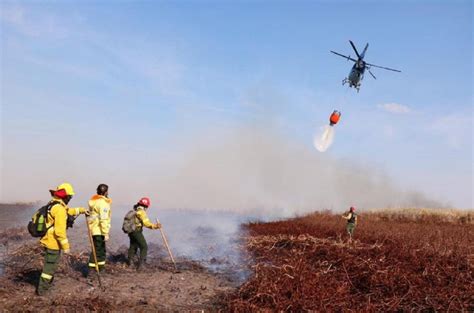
{"type": "Point", "coordinates": [106, 237]}
{"type": "Point", "coordinates": [67, 252]}
{"type": "Point", "coordinates": [85, 211]}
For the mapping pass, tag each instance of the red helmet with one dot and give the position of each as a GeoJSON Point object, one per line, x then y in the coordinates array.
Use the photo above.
{"type": "Point", "coordinates": [145, 202]}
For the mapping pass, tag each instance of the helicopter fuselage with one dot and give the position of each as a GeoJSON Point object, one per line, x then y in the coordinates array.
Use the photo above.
{"type": "Point", "coordinates": [356, 75]}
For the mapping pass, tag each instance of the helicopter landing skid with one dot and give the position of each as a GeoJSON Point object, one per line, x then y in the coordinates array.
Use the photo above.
{"type": "Point", "coordinates": [347, 81]}
{"type": "Point", "coordinates": [357, 87]}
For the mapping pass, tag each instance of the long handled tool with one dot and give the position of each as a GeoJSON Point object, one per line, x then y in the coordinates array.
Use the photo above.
{"type": "Point", "coordinates": [93, 250]}
{"type": "Point", "coordinates": [167, 246]}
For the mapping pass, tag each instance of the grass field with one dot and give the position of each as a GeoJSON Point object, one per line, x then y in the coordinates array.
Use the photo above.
{"type": "Point", "coordinates": [400, 260]}
{"type": "Point", "coordinates": [406, 260]}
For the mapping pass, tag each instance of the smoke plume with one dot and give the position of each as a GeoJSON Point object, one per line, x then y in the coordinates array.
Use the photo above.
{"type": "Point", "coordinates": [261, 171]}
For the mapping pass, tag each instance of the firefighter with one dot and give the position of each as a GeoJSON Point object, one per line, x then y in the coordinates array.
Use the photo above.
{"type": "Point", "coordinates": [137, 240]}
{"type": "Point", "coordinates": [99, 224]}
{"type": "Point", "coordinates": [55, 239]}
{"type": "Point", "coordinates": [351, 218]}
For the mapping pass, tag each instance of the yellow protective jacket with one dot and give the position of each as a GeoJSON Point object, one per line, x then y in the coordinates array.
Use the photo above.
{"type": "Point", "coordinates": [56, 236]}
{"type": "Point", "coordinates": [141, 219]}
{"type": "Point", "coordinates": [100, 214]}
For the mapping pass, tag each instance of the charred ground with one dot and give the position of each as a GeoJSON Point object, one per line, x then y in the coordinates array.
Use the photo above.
{"type": "Point", "coordinates": [156, 288]}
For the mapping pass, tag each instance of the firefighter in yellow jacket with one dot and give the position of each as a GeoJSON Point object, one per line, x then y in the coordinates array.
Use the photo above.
{"type": "Point", "coordinates": [55, 239]}
{"type": "Point", "coordinates": [99, 224]}
{"type": "Point", "coordinates": [139, 218]}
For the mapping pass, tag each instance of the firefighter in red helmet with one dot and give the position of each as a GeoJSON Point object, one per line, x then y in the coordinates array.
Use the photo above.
{"type": "Point", "coordinates": [133, 225]}
{"type": "Point", "coordinates": [351, 218]}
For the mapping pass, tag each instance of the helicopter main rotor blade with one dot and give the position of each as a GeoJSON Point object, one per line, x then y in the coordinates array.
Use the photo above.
{"type": "Point", "coordinates": [368, 69]}
{"type": "Point", "coordinates": [365, 50]}
{"type": "Point", "coordinates": [385, 68]}
{"type": "Point", "coordinates": [344, 56]}
{"type": "Point", "coordinates": [354, 47]}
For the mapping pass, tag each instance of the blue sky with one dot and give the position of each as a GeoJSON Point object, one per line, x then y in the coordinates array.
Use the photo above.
{"type": "Point", "coordinates": [116, 81]}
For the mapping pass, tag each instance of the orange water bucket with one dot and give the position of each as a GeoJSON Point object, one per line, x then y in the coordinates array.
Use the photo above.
{"type": "Point", "coordinates": [334, 118]}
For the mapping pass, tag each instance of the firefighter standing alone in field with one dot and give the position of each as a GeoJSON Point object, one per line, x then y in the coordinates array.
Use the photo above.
{"type": "Point", "coordinates": [351, 218]}
{"type": "Point", "coordinates": [99, 224]}
{"type": "Point", "coordinates": [133, 225]}
{"type": "Point", "coordinates": [55, 240]}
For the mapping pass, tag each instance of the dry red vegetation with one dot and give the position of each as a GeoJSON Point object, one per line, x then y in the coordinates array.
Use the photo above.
{"type": "Point", "coordinates": [396, 264]}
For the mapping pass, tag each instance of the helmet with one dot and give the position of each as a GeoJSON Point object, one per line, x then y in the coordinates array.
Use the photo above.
{"type": "Point", "coordinates": [352, 209]}
{"type": "Point", "coordinates": [102, 189]}
{"type": "Point", "coordinates": [145, 202]}
{"type": "Point", "coordinates": [67, 189]}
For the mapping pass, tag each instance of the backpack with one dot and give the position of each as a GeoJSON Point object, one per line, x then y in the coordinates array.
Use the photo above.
{"type": "Point", "coordinates": [37, 225]}
{"type": "Point", "coordinates": [353, 218]}
{"type": "Point", "coordinates": [129, 225]}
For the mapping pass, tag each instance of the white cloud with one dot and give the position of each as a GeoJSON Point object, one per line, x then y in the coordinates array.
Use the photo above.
{"type": "Point", "coordinates": [394, 108]}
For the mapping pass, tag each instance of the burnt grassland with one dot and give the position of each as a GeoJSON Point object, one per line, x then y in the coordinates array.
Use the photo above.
{"type": "Point", "coordinates": [156, 288]}
{"type": "Point", "coordinates": [401, 260]}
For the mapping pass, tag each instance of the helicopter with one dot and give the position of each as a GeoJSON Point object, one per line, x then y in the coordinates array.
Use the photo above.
{"type": "Point", "coordinates": [357, 72]}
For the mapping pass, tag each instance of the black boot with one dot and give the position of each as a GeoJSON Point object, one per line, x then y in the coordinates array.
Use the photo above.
{"type": "Point", "coordinates": [141, 265]}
